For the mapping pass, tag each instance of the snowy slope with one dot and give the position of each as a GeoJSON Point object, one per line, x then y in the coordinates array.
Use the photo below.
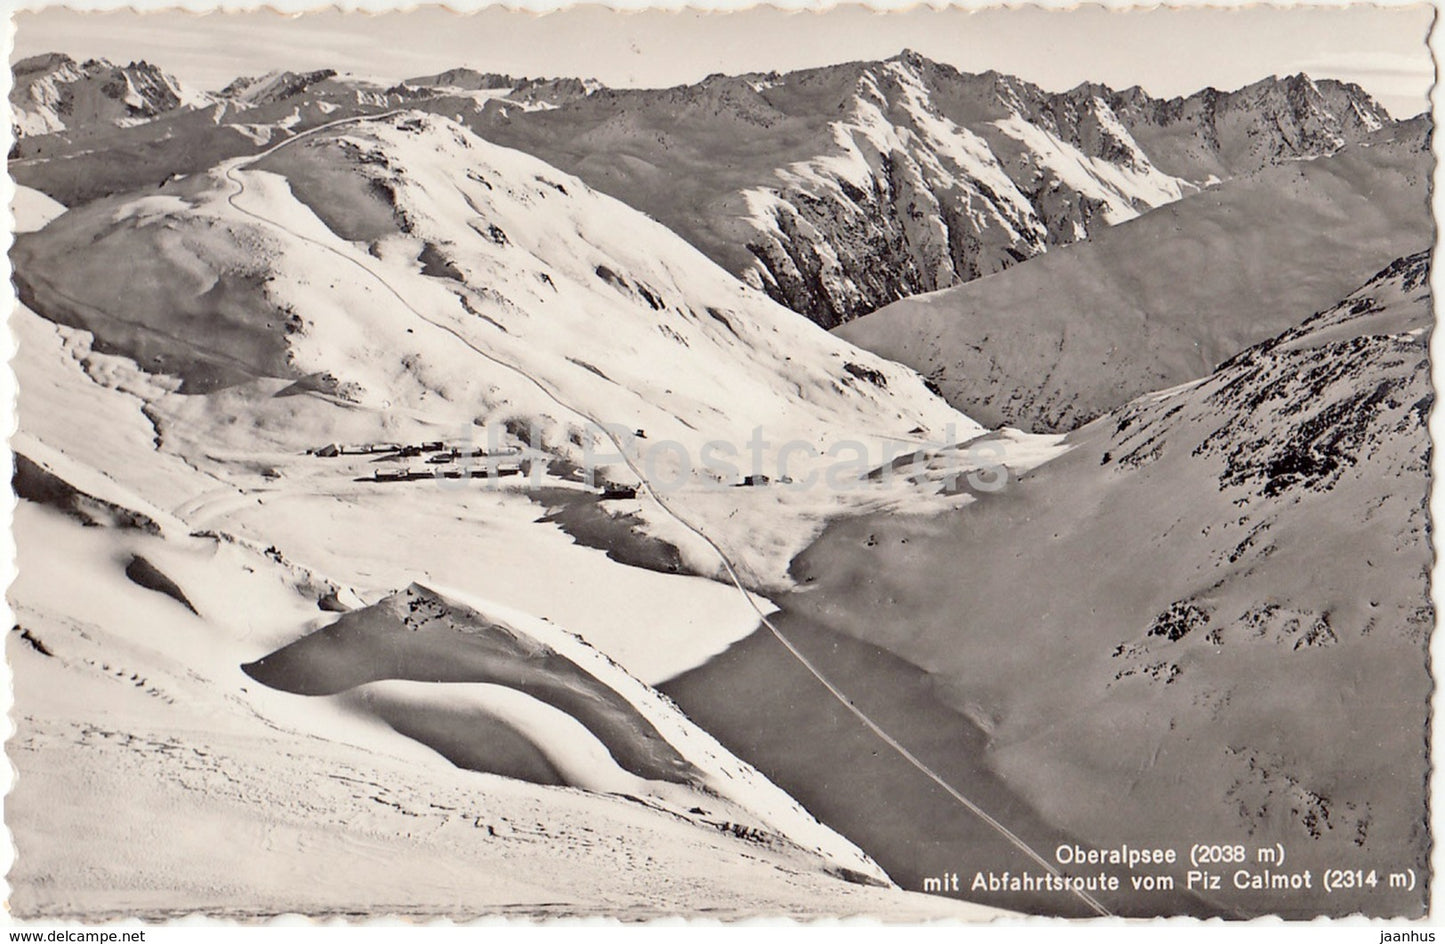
{"type": "Point", "coordinates": [143, 611]}
{"type": "Point", "coordinates": [32, 209]}
{"type": "Point", "coordinates": [1121, 619]}
{"type": "Point", "coordinates": [518, 256]}
{"type": "Point", "coordinates": [132, 715]}
{"type": "Point", "coordinates": [361, 262]}
{"type": "Point", "coordinates": [467, 679]}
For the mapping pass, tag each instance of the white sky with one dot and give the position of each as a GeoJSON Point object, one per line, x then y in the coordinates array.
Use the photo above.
{"type": "Point", "coordinates": [1168, 52]}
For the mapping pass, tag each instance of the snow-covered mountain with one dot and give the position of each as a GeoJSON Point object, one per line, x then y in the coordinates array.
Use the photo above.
{"type": "Point", "coordinates": [1214, 134]}
{"type": "Point", "coordinates": [1216, 604]}
{"type": "Point", "coordinates": [90, 159]}
{"type": "Point", "coordinates": [843, 188]}
{"type": "Point", "coordinates": [836, 190]}
{"type": "Point", "coordinates": [273, 86]}
{"type": "Point", "coordinates": [1162, 299]}
{"type": "Point", "coordinates": [54, 92]}
{"type": "Point", "coordinates": [510, 255]}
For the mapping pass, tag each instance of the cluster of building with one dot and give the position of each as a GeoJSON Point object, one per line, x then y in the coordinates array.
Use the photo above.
{"type": "Point", "coordinates": [444, 459]}
{"type": "Point", "coordinates": [406, 474]}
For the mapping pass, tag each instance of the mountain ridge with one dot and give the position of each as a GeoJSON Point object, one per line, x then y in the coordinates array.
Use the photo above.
{"type": "Point", "coordinates": [1164, 298]}
{"type": "Point", "coordinates": [835, 189]}
{"type": "Point", "coordinates": [965, 175]}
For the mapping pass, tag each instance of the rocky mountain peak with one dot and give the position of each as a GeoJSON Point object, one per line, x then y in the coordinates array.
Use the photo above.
{"type": "Point", "coordinates": [45, 62]}
{"type": "Point", "coordinates": [52, 92]}
{"type": "Point", "coordinates": [273, 86]}
{"type": "Point", "coordinates": [910, 59]}
{"type": "Point", "coordinates": [464, 78]}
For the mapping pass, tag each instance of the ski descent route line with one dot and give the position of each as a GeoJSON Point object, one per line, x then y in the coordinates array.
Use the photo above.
{"type": "Point", "coordinates": [230, 173]}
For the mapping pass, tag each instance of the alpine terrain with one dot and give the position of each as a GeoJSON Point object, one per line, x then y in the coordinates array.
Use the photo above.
{"type": "Point", "coordinates": [1164, 298]}
{"type": "Point", "coordinates": [836, 190]}
{"type": "Point", "coordinates": [788, 493]}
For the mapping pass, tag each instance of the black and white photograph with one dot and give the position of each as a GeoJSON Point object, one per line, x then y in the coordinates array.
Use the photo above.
{"type": "Point", "coordinates": [932, 464]}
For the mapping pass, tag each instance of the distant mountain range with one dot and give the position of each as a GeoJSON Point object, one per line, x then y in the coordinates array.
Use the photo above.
{"type": "Point", "coordinates": [836, 190]}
